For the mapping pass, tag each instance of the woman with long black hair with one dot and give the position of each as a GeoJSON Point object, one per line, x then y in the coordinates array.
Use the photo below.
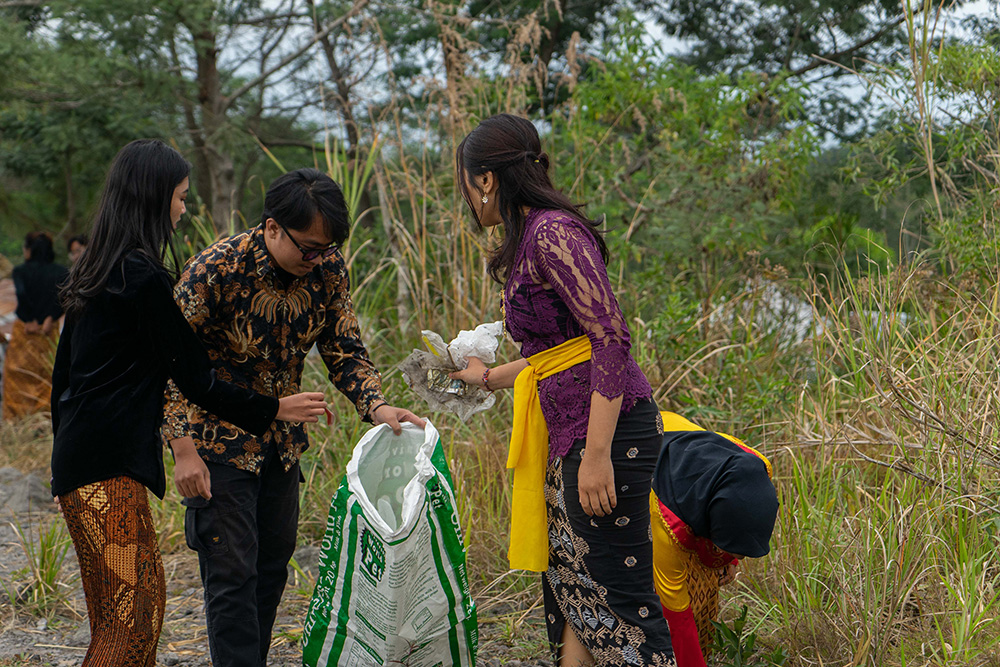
{"type": "Point", "coordinates": [124, 336]}
{"type": "Point", "coordinates": [586, 432]}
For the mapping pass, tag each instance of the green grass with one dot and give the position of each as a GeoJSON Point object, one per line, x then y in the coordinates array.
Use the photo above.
{"type": "Point", "coordinates": [41, 587]}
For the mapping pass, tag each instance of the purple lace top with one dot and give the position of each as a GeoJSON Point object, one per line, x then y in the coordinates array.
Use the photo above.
{"type": "Point", "coordinates": [558, 289]}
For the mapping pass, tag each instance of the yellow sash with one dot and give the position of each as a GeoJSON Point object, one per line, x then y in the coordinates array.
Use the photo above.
{"type": "Point", "coordinates": [529, 453]}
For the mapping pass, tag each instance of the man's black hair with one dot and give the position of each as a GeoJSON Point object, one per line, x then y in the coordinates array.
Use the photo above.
{"type": "Point", "coordinates": [295, 199]}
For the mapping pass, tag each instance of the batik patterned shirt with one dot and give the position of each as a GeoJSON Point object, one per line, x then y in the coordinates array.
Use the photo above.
{"type": "Point", "coordinates": [258, 330]}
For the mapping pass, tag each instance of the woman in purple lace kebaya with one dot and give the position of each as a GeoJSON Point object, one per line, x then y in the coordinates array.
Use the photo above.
{"type": "Point", "coordinates": [604, 430]}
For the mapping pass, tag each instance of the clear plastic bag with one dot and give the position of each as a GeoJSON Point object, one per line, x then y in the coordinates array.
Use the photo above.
{"type": "Point", "coordinates": [426, 372]}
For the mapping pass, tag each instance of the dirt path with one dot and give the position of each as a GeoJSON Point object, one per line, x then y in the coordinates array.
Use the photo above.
{"type": "Point", "coordinates": [29, 636]}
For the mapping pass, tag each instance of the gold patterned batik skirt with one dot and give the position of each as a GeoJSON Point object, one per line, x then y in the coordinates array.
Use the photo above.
{"type": "Point", "coordinates": [703, 588]}
{"type": "Point", "coordinates": [121, 569]}
{"type": "Point", "coordinates": [27, 372]}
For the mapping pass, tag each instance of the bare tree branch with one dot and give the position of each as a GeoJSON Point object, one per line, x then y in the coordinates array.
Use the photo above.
{"type": "Point", "coordinates": [269, 18]}
{"type": "Point", "coordinates": [900, 466]}
{"type": "Point", "coordinates": [825, 59]}
{"type": "Point", "coordinates": [983, 171]}
{"type": "Point", "coordinates": [330, 27]}
{"type": "Point", "coordinates": [294, 143]}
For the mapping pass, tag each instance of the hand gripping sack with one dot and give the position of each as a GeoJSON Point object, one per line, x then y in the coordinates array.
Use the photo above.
{"type": "Point", "coordinates": [392, 585]}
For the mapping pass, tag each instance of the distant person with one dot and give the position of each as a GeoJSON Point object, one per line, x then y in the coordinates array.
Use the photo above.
{"type": "Point", "coordinates": [124, 336]}
{"type": "Point", "coordinates": [259, 301]}
{"type": "Point", "coordinates": [713, 504]}
{"type": "Point", "coordinates": [586, 429]}
{"type": "Point", "coordinates": [28, 364]}
{"type": "Point", "coordinates": [75, 247]}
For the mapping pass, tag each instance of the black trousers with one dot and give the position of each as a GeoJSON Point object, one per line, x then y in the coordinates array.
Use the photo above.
{"type": "Point", "coordinates": [244, 536]}
{"type": "Point", "coordinates": [600, 576]}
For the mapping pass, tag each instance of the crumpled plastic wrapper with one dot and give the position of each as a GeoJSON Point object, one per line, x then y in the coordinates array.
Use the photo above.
{"type": "Point", "coordinates": [426, 372]}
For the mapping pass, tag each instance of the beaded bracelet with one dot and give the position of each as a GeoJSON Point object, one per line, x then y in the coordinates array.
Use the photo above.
{"type": "Point", "coordinates": [486, 380]}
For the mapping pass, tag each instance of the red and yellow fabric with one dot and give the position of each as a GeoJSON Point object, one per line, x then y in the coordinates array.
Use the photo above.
{"type": "Point", "coordinates": [686, 568]}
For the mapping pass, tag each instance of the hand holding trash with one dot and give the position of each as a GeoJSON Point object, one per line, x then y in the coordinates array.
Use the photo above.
{"type": "Point", "coordinates": [472, 374]}
{"type": "Point", "coordinates": [428, 373]}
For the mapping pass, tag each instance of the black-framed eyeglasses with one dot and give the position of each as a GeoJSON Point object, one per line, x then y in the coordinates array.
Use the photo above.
{"type": "Point", "coordinates": [309, 254]}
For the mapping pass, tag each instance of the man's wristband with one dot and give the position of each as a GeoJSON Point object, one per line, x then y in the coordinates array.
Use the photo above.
{"type": "Point", "coordinates": [486, 380]}
{"type": "Point", "coordinates": [371, 411]}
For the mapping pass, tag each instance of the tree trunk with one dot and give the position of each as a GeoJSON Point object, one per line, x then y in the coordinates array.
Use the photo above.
{"type": "Point", "coordinates": [248, 164]}
{"type": "Point", "coordinates": [217, 161]}
{"type": "Point", "coordinates": [345, 109]}
{"type": "Point", "coordinates": [223, 174]}
{"type": "Point", "coordinates": [202, 182]}
{"type": "Point", "coordinates": [214, 105]}
{"type": "Point", "coordinates": [71, 221]}
{"type": "Point", "coordinates": [548, 46]}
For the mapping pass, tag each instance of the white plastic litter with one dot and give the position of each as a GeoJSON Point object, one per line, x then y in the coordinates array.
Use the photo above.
{"type": "Point", "coordinates": [425, 372]}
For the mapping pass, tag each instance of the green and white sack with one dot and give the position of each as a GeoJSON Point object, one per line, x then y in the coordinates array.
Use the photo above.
{"type": "Point", "coordinates": [392, 584]}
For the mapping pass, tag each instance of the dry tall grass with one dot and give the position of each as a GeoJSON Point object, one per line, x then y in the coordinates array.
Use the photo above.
{"type": "Point", "coordinates": [885, 457]}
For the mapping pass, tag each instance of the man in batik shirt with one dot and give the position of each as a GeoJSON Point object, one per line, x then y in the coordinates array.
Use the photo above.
{"type": "Point", "coordinates": [259, 301]}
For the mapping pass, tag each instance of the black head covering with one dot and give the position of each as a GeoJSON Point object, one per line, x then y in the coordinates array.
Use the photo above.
{"type": "Point", "coordinates": [721, 491]}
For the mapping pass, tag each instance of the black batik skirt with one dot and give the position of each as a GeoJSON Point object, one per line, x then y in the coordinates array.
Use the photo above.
{"type": "Point", "coordinates": [600, 576]}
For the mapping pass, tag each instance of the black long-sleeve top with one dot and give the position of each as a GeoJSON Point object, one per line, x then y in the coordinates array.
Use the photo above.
{"type": "Point", "coordinates": [108, 382]}
{"type": "Point", "coordinates": [37, 287]}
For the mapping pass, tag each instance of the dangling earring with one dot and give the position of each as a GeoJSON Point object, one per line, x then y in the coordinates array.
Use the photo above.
{"type": "Point", "coordinates": [486, 200]}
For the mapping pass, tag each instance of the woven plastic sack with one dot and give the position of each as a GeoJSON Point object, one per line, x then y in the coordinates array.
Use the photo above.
{"type": "Point", "coordinates": [392, 586]}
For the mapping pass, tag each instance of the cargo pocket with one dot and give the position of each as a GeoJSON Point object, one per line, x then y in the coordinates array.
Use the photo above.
{"type": "Point", "coordinates": [202, 531]}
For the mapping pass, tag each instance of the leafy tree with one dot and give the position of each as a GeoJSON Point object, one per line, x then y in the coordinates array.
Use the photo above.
{"type": "Point", "coordinates": [701, 169]}
{"type": "Point", "coordinates": [215, 69]}
{"type": "Point", "coordinates": [556, 22]}
{"type": "Point", "coordinates": [936, 155]}
{"type": "Point", "coordinates": [66, 106]}
{"type": "Point", "coordinates": [818, 42]}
